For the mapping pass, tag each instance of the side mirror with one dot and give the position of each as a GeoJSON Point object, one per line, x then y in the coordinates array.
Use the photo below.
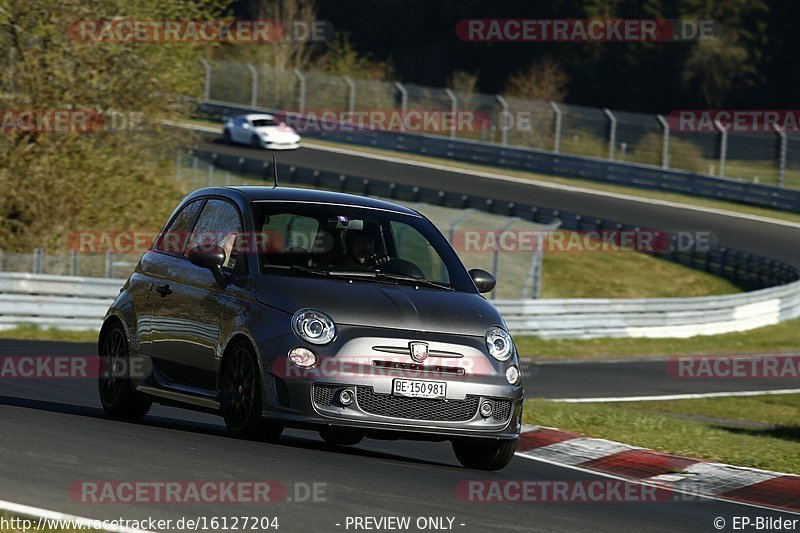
{"type": "Point", "coordinates": [246, 126]}
{"type": "Point", "coordinates": [212, 258]}
{"type": "Point", "coordinates": [484, 281]}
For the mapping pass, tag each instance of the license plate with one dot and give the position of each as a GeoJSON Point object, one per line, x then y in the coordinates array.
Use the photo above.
{"type": "Point", "coordinates": [419, 389]}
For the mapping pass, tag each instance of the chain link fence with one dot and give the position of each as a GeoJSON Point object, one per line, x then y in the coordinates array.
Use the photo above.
{"type": "Point", "coordinates": [768, 158]}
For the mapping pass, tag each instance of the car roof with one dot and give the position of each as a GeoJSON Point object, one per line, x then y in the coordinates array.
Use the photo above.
{"type": "Point", "coordinates": [294, 194]}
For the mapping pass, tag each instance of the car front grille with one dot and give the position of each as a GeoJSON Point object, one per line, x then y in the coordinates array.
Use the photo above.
{"type": "Point", "coordinates": [416, 408]}
{"type": "Point", "coordinates": [323, 394]}
{"type": "Point", "coordinates": [502, 409]}
{"type": "Point", "coordinates": [413, 408]}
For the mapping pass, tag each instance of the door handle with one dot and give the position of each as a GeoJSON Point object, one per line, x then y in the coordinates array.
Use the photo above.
{"type": "Point", "coordinates": [164, 290]}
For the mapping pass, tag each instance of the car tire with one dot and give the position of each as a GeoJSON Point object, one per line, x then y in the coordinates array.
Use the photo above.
{"type": "Point", "coordinates": [484, 454]}
{"type": "Point", "coordinates": [341, 436]}
{"type": "Point", "coordinates": [226, 137]}
{"type": "Point", "coordinates": [117, 394]}
{"type": "Point", "coordinates": [255, 142]}
{"type": "Point", "coordinates": [241, 402]}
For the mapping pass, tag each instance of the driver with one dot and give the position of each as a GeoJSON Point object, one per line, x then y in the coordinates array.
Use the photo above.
{"type": "Point", "coordinates": [360, 247]}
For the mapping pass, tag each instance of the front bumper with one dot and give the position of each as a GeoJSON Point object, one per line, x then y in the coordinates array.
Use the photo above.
{"type": "Point", "coordinates": [367, 365]}
{"type": "Point", "coordinates": [281, 145]}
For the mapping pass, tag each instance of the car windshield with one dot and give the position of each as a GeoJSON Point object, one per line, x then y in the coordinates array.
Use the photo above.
{"type": "Point", "coordinates": [261, 122]}
{"type": "Point", "coordinates": [310, 239]}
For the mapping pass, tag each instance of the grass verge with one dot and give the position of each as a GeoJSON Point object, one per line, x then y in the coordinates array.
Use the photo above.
{"type": "Point", "coordinates": [33, 332]}
{"type": "Point", "coordinates": [756, 431]}
{"type": "Point", "coordinates": [781, 337]}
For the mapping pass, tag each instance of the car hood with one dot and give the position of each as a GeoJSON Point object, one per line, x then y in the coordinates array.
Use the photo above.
{"type": "Point", "coordinates": [365, 303]}
{"type": "Point", "coordinates": [276, 132]}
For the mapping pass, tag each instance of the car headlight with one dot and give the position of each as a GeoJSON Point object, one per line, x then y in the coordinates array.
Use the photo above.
{"type": "Point", "coordinates": [499, 343]}
{"type": "Point", "coordinates": [313, 326]}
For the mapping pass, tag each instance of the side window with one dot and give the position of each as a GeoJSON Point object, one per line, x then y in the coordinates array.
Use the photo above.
{"type": "Point", "coordinates": [219, 224]}
{"type": "Point", "coordinates": [176, 236]}
{"type": "Point", "coordinates": [412, 246]}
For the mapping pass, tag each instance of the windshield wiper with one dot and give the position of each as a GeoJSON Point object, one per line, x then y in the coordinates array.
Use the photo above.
{"type": "Point", "coordinates": [301, 268]}
{"type": "Point", "coordinates": [369, 274]}
{"type": "Point", "coordinates": [412, 279]}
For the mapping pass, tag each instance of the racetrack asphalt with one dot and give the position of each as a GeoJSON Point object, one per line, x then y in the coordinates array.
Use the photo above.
{"type": "Point", "coordinates": [55, 435]}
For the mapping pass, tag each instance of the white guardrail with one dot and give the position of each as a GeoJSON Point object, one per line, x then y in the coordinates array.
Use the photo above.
{"type": "Point", "coordinates": [79, 303]}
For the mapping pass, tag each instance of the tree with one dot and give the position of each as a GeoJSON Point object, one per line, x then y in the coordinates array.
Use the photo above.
{"type": "Point", "coordinates": [56, 183]}
{"type": "Point", "coordinates": [545, 80]}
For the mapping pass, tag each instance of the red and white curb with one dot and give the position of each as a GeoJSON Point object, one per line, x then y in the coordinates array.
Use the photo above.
{"type": "Point", "coordinates": [684, 474]}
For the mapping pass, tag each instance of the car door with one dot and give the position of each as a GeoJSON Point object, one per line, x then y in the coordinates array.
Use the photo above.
{"type": "Point", "coordinates": [188, 311]}
{"type": "Point", "coordinates": [152, 272]}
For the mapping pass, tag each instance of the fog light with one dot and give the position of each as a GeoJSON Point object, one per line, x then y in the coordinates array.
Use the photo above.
{"type": "Point", "coordinates": [302, 357]}
{"type": "Point", "coordinates": [486, 409]}
{"type": "Point", "coordinates": [346, 397]}
{"type": "Point", "coordinates": [512, 375]}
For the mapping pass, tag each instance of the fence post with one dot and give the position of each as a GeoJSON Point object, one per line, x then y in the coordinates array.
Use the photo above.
{"type": "Point", "coordinates": [178, 162]}
{"type": "Point", "coordinates": [496, 255]}
{"type": "Point", "coordinates": [456, 221]}
{"type": "Point", "coordinates": [73, 263]}
{"type": "Point", "coordinates": [403, 103]}
{"type": "Point", "coordinates": [503, 116]}
{"type": "Point", "coordinates": [453, 110]}
{"type": "Point", "coordinates": [109, 264]}
{"type": "Point", "coordinates": [37, 260]}
{"type": "Point", "coordinates": [301, 98]}
{"type": "Point", "coordinates": [194, 170]}
{"type": "Point", "coordinates": [351, 94]}
{"type": "Point", "coordinates": [665, 144]}
{"type": "Point", "coordinates": [253, 84]}
{"type": "Point", "coordinates": [612, 132]}
{"type": "Point", "coordinates": [1, 260]}
{"type": "Point", "coordinates": [781, 155]}
{"type": "Point", "coordinates": [723, 146]}
{"type": "Point", "coordinates": [206, 80]}
{"type": "Point", "coordinates": [557, 131]}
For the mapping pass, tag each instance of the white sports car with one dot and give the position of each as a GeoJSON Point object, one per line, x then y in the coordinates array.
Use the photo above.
{"type": "Point", "coordinates": [260, 131]}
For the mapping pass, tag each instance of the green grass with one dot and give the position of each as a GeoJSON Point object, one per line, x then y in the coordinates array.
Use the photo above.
{"type": "Point", "coordinates": [624, 274]}
{"type": "Point", "coordinates": [35, 333]}
{"type": "Point", "coordinates": [783, 337]}
{"type": "Point", "coordinates": [728, 430]}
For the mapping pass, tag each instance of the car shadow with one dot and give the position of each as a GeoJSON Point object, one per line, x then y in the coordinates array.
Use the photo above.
{"type": "Point", "coordinates": [790, 433]}
{"type": "Point", "coordinates": [204, 428]}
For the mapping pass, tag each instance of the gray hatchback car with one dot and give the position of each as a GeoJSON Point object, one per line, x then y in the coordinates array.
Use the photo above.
{"type": "Point", "coordinates": [283, 307]}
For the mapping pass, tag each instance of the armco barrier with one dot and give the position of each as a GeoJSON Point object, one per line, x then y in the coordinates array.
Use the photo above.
{"type": "Point", "coordinates": [551, 163]}
{"type": "Point", "coordinates": [63, 302]}
{"type": "Point", "coordinates": [79, 303]}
